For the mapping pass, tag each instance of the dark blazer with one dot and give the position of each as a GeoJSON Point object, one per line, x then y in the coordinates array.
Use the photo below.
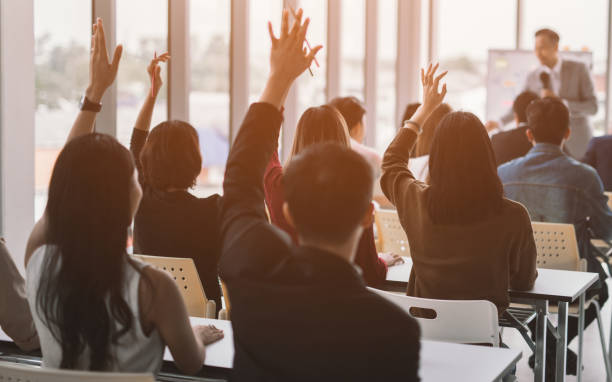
{"type": "Point", "coordinates": [599, 156]}
{"type": "Point", "coordinates": [178, 224]}
{"type": "Point", "coordinates": [299, 313]}
{"type": "Point", "coordinates": [510, 144]}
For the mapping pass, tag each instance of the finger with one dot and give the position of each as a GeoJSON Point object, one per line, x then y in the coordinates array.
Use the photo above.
{"type": "Point", "coordinates": [443, 94]}
{"type": "Point", "coordinates": [271, 31]}
{"type": "Point", "coordinates": [158, 74]}
{"type": "Point", "coordinates": [296, 24]}
{"type": "Point", "coordinates": [313, 53]}
{"type": "Point", "coordinates": [102, 39]}
{"type": "Point", "coordinates": [285, 24]}
{"type": "Point", "coordinates": [437, 80]}
{"type": "Point", "coordinates": [422, 76]}
{"type": "Point", "coordinates": [117, 58]}
{"type": "Point", "coordinates": [303, 29]}
{"type": "Point", "coordinates": [93, 38]}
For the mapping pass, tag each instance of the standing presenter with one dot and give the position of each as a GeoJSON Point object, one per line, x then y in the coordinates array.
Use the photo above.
{"type": "Point", "coordinates": [565, 79]}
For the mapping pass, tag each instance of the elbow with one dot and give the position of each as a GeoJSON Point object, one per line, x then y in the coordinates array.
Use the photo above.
{"type": "Point", "coordinates": [193, 366]}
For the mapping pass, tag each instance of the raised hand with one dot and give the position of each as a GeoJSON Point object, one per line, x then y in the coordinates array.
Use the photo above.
{"type": "Point", "coordinates": [154, 71]}
{"type": "Point", "coordinates": [288, 57]}
{"type": "Point", "coordinates": [432, 98]}
{"type": "Point", "coordinates": [102, 72]}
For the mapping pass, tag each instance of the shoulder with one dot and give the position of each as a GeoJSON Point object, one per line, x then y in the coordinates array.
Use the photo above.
{"type": "Point", "coordinates": [515, 209]}
{"type": "Point", "coordinates": [391, 314]}
{"type": "Point", "coordinates": [575, 66]}
{"type": "Point", "coordinates": [507, 168]}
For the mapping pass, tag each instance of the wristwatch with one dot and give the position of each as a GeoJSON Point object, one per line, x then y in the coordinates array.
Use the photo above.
{"type": "Point", "coordinates": [87, 105]}
{"type": "Point", "coordinates": [409, 123]}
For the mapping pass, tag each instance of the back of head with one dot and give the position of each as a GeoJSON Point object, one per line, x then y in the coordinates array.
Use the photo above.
{"type": "Point", "coordinates": [423, 145]}
{"type": "Point", "coordinates": [411, 108]}
{"type": "Point", "coordinates": [171, 157]}
{"type": "Point", "coordinates": [318, 125]}
{"type": "Point", "coordinates": [519, 107]}
{"type": "Point", "coordinates": [464, 187]}
{"type": "Point", "coordinates": [548, 120]}
{"type": "Point", "coordinates": [351, 109]}
{"type": "Point", "coordinates": [88, 214]}
{"type": "Point", "coordinates": [328, 189]}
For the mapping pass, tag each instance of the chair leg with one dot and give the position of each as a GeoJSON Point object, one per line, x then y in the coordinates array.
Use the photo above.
{"type": "Point", "coordinates": [603, 342]}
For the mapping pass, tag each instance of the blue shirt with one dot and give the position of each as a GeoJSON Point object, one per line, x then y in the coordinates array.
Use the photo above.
{"type": "Point", "coordinates": [558, 189]}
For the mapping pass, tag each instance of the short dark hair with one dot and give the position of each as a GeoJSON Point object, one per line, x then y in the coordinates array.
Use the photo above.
{"type": "Point", "coordinates": [328, 188]}
{"type": "Point", "coordinates": [521, 102]}
{"type": "Point", "coordinates": [551, 34]}
{"type": "Point", "coordinates": [351, 109]}
{"type": "Point", "coordinates": [548, 120]}
{"type": "Point", "coordinates": [171, 156]}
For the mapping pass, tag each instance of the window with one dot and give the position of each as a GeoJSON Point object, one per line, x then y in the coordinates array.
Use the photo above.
{"type": "Point", "coordinates": [142, 28]}
{"type": "Point", "coordinates": [353, 49]}
{"type": "Point", "coordinates": [582, 26]}
{"type": "Point", "coordinates": [311, 89]}
{"type": "Point", "coordinates": [387, 55]}
{"type": "Point", "coordinates": [209, 96]}
{"type": "Point", "coordinates": [62, 74]}
{"type": "Point", "coordinates": [483, 25]}
{"type": "Point", "coordinates": [261, 12]}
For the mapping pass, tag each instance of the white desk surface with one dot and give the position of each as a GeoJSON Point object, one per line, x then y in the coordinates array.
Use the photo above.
{"type": "Point", "coordinates": [551, 283]}
{"type": "Point", "coordinates": [440, 361]}
{"type": "Point", "coordinates": [220, 353]}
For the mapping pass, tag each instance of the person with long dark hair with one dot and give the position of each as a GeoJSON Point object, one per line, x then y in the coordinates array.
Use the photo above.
{"type": "Point", "coordinates": [466, 240]}
{"type": "Point", "coordinates": [170, 221]}
{"type": "Point", "coordinates": [94, 307]}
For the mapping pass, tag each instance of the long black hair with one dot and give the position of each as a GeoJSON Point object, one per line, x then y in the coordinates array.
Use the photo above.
{"type": "Point", "coordinates": [88, 213]}
{"type": "Point", "coordinates": [465, 187]}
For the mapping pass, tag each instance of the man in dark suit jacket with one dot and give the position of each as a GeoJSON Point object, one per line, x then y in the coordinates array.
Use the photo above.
{"type": "Point", "coordinates": [512, 144]}
{"type": "Point", "coordinates": [303, 313]}
{"type": "Point", "coordinates": [599, 156]}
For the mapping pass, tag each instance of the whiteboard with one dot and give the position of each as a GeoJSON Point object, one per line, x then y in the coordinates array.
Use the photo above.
{"type": "Point", "coordinates": [506, 74]}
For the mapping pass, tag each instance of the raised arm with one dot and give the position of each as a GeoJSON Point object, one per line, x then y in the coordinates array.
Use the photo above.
{"type": "Point", "coordinates": [102, 73]}
{"type": "Point", "coordinates": [143, 122]}
{"type": "Point", "coordinates": [243, 192]}
{"type": "Point", "coordinates": [396, 177]}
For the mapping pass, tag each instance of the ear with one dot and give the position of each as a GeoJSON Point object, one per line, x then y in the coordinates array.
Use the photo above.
{"type": "Point", "coordinates": [368, 217]}
{"type": "Point", "coordinates": [287, 215]}
{"type": "Point", "coordinates": [567, 134]}
{"type": "Point", "coordinates": [530, 136]}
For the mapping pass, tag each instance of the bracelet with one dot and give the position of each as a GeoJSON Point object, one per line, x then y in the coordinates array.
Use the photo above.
{"type": "Point", "coordinates": [416, 125]}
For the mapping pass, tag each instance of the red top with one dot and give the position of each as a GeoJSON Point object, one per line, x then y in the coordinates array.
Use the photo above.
{"type": "Point", "coordinates": [374, 268]}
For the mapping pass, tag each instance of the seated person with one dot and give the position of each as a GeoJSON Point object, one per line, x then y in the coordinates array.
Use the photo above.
{"type": "Point", "coordinates": [511, 144]}
{"type": "Point", "coordinates": [559, 189]}
{"type": "Point", "coordinates": [94, 306]}
{"type": "Point", "coordinates": [467, 242]}
{"type": "Point", "coordinates": [303, 313]}
{"type": "Point", "coordinates": [353, 111]}
{"type": "Point", "coordinates": [419, 164]}
{"type": "Point", "coordinates": [15, 316]}
{"type": "Point", "coordinates": [599, 156]}
{"type": "Point", "coordinates": [317, 125]}
{"type": "Point", "coordinates": [170, 221]}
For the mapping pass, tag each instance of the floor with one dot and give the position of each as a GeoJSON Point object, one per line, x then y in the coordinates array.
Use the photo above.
{"type": "Point", "coordinates": [594, 369]}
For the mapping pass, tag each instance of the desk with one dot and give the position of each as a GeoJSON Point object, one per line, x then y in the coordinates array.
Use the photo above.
{"type": "Point", "coordinates": [561, 287]}
{"type": "Point", "coordinates": [440, 361]}
{"type": "Point", "coordinates": [218, 354]}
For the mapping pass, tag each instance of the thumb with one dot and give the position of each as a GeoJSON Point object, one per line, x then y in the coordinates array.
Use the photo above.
{"type": "Point", "coordinates": [116, 58]}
